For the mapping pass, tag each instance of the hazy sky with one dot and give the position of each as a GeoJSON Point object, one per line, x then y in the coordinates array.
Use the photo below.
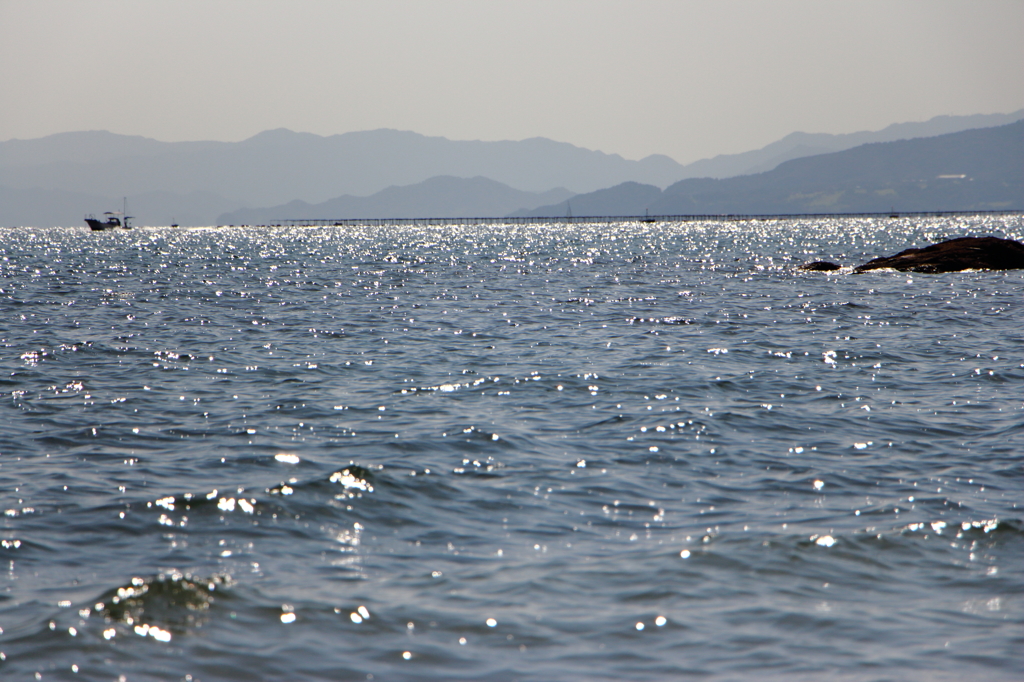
{"type": "Point", "coordinates": [633, 77]}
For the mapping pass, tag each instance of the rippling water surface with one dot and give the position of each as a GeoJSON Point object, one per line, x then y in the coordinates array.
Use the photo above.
{"type": "Point", "coordinates": [587, 452]}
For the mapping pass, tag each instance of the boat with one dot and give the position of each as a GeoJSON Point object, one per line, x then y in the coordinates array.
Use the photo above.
{"type": "Point", "coordinates": [113, 219]}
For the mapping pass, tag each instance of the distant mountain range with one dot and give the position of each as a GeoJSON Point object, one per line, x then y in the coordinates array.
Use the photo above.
{"type": "Point", "coordinates": [277, 166]}
{"type": "Point", "coordinates": [980, 169]}
{"type": "Point", "coordinates": [798, 145]}
{"type": "Point", "coordinates": [382, 173]}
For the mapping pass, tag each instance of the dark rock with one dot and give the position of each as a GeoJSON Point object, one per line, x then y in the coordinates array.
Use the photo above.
{"type": "Point", "coordinates": [965, 253]}
{"type": "Point", "coordinates": [819, 266]}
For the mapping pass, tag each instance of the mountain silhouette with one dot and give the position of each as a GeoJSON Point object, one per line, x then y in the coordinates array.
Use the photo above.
{"type": "Point", "coordinates": [799, 145]}
{"type": "Point", "coordinates": [980, 169]}
{"type": "Point", "coordinates": [56, 179]}
{"type": "Point", "coordinates": [277, 166]}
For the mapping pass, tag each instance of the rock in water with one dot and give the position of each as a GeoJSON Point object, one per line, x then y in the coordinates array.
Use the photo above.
{"type": "Point", "coordinates": [819, 266]}
{"type": "Point", "coordinates": [965, 253]}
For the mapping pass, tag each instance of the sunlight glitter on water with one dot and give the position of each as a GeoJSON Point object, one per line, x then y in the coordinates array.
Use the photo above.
{"type": "Point", "coordinates": [573, 441]}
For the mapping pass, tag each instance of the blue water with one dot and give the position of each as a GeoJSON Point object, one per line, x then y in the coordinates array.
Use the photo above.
{"type": "Point", "coordinates": [555, 452]}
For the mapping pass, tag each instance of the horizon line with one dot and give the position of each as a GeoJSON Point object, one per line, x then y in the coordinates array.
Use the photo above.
{"type": "Point", "coordinates": [527, 220]}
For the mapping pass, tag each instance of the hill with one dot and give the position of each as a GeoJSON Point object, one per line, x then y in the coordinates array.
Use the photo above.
{"type": "Point", "coordinates": [799, 145]}
{"type": "Point", "coordinates": [54, 180]}
{"type": "Point", "coordinates": [980, 169]}
{"type": "Point", "coordinates": [277, 166]}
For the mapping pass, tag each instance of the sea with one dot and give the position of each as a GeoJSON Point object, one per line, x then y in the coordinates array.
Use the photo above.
{"type": "Point", "coordinates": [587, 451]}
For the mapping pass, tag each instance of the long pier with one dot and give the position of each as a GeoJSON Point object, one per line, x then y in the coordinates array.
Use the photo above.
{"type": "Point", "coordinates": [371, 222]}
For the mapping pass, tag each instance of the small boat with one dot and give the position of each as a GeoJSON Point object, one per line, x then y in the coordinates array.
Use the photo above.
{"type": "Point", "coordinates": [113, 219]}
